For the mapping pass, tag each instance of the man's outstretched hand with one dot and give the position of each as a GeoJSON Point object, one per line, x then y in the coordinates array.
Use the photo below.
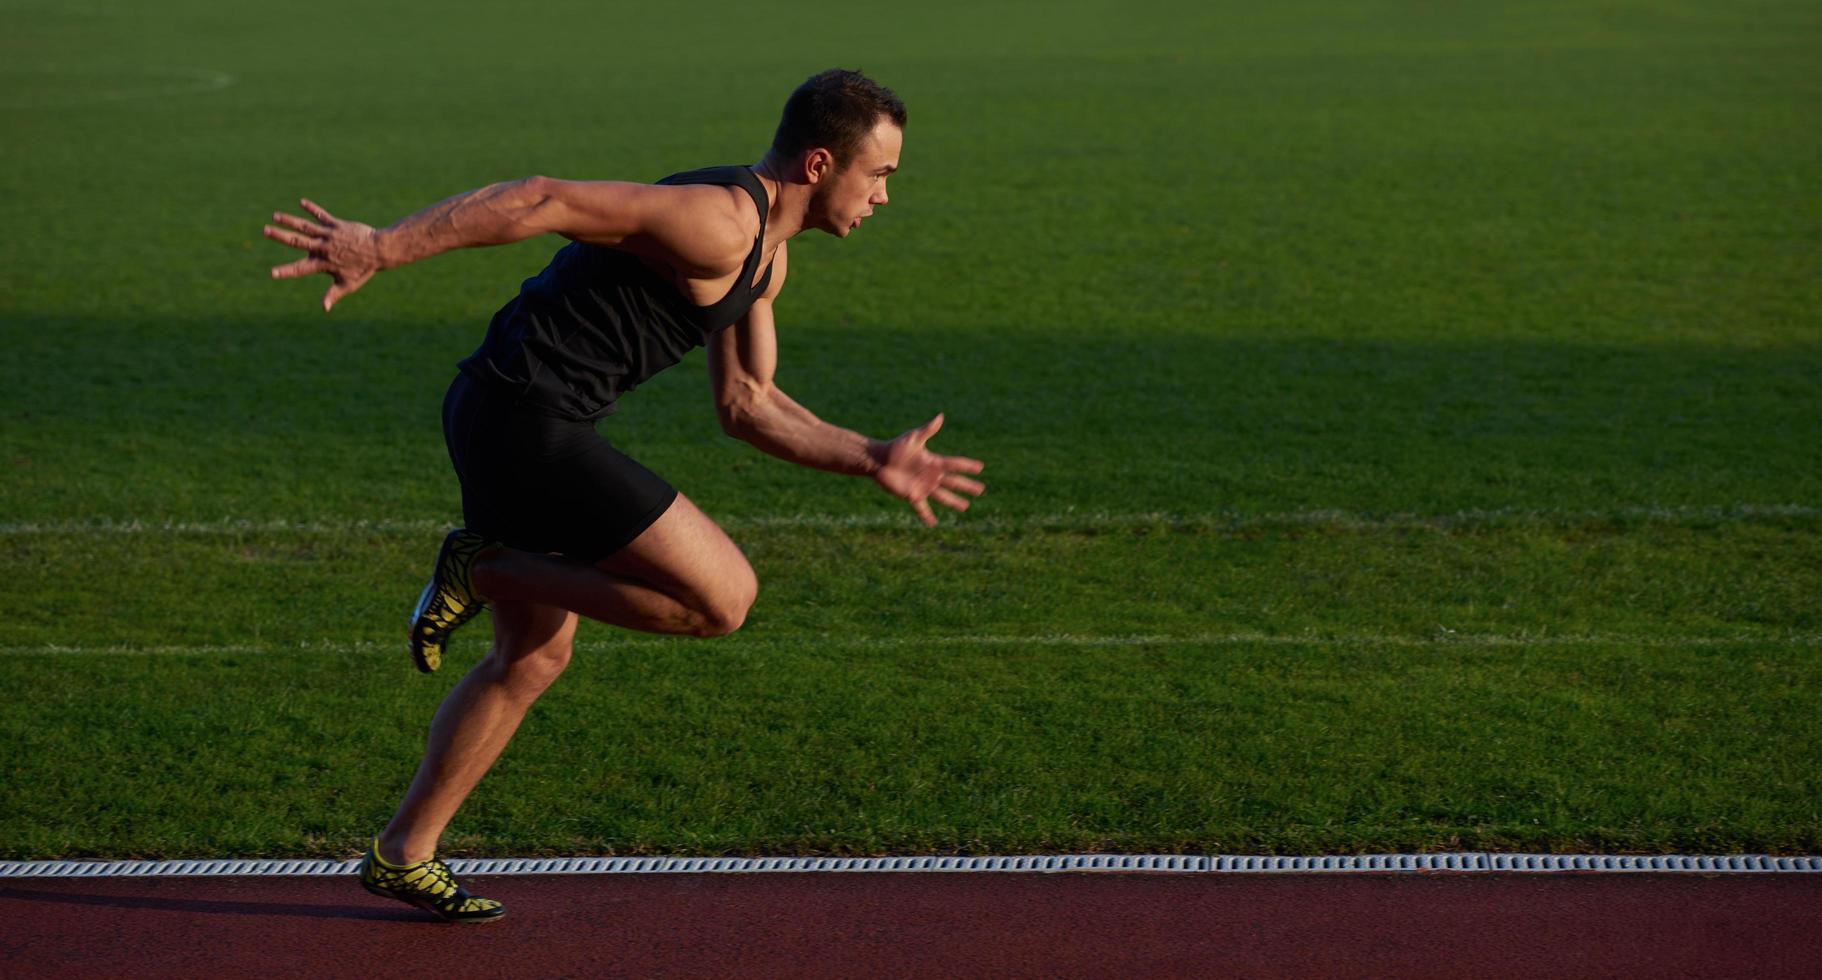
{"type": "Point", "coordinates": [909, 471]}
{"type": "Point", "coordinates": [347, 251]}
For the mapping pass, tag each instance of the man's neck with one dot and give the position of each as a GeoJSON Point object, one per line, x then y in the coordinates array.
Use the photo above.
{"type": "Point", "coordinates": [789, 205]}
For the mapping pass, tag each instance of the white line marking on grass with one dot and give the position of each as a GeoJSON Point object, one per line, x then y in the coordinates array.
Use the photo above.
{"type": "Point", "coordinates": [156, 83]}
{"type": "Point", "coordinates": [1068, 521]}
{"type": "Point", "coordinates": [55, 649]}
{"type": "Point", "coordinates": [1447, 638]}
{"type": "Point", "coordinates": [1330, 519]}
{"type": "Point", "coordinates": [63, 7]}
{"type": "Point", "coordinates": [1468, 862]}
{"type": "Point", "coordinates": [105, 526]}
{"type": "Point", "coordinates": [1439, 641]}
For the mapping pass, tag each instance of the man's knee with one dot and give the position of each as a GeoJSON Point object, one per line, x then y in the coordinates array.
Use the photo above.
{"type": "Point", "coordinates": [727, 611]}
{"type": "Point", "coordinates": [532, 670]}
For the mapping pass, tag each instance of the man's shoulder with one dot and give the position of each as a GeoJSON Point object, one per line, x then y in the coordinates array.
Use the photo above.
{"type": "Point", "coordinates": [721, 176]}
{"type": "Point", "coordinates": [711, 226]}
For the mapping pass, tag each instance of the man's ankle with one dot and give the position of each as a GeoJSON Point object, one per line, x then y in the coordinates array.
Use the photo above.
{"type": "Point", "coordinates": [395, 853]}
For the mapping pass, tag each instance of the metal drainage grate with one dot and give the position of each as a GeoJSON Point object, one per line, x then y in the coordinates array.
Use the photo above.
{"type": "Point", "coordinates": [1229, 864]}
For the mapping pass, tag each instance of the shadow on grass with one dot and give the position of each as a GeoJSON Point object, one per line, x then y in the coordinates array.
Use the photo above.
{"type": "Point", "coordinates": [279, 416]}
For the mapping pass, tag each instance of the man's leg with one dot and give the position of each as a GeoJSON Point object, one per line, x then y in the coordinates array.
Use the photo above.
{"type": "Point", "coordinates": [531, 647]}
{"type": "Point", "coordinates": [682, 575]}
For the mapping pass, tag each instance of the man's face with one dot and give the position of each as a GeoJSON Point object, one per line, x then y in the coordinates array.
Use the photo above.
{"type": "Point", "coordinates": [844, 198]}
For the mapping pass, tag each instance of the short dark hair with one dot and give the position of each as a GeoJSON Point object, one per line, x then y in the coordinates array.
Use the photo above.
{"type": "Point", "coordinates": [835, 109]}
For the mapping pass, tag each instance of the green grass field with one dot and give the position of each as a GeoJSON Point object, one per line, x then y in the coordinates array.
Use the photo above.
{"type": "Point", "coordinates": [1401, 425]}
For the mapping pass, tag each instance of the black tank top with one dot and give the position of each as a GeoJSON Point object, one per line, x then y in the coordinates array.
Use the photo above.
{"type": "Point", "coordinates": [597, 321]}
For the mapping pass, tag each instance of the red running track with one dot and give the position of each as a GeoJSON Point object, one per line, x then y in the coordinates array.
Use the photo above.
{"type": "Point", "coordinates": [946, 925]}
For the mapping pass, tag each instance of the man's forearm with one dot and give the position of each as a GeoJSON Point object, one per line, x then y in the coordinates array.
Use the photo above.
{"type": "Point", "coordinates": [778, 426]}
{"type": "Point", "coordinates": [493, 215]}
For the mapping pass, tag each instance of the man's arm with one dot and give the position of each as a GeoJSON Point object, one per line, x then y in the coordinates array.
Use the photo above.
{"type": "Point", "coordinates": [697, 225]}
{"type": "Point", "coordinates": [754, 410]}
{"type": "Point", "coordinates": [742, 361]}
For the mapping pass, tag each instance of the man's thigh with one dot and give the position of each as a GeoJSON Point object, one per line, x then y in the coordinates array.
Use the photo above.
{"type": "Point", "coordinates": [686, 555]}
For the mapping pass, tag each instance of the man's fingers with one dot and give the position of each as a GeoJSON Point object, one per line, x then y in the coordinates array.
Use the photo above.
{"type": "Point", "coordinates": [924, 512]}
{"type": "Point", "coordinates": [962, 464]}
{"type": "Point", "coordinates": [932, 427]}
{"type": "Point", "coordinates": [293, 239]}
{"type": "Point", "coordinates": [317, 211]}
{"type": "Point", "coordinates": [296, 223]}
{"type": "Point", "coordinates": [964, 484]}
{"type": "Point", "coordinates": [300, 268]}
{"type": "Point", "coordinates": [950, 500]}
{"type": "Point", "coordinates": [343, 286]}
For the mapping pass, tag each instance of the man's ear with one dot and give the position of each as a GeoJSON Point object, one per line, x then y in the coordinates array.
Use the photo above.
{"type": "Point", "coordinates": [818, 164]}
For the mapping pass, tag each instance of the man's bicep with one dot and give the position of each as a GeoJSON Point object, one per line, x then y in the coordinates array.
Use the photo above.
{"type": "Point", "coordinates": [600, 212]}
{"type": "Point", "coordinates": [742, 360]}
{"type": "Point", "coordinates": [747, 352]}
{"type": "Point", "coordinates": [691, 223]}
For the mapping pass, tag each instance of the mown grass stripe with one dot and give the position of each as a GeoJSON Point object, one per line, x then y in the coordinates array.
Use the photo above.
{"type": "Point", "coordinates": [1462, 862]}
{"type": "Point", "coordinates": [1068, 521]}
{"type": "Point", "coordinates": [1441, 640]}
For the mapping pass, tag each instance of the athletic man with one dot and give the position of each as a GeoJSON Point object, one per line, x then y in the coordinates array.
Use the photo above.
{"type": "Point", "coordinates": [560, 524]}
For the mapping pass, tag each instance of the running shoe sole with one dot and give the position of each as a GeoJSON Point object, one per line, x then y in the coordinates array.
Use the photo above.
{"type": "Point", "coordinates": [448, 600]}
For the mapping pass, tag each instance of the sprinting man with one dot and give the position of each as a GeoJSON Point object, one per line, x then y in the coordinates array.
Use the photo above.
{"type": "Point", "coordinates": [559, 523]}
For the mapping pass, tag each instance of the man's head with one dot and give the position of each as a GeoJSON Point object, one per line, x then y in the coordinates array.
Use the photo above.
{"type": "Point", "coordinates": [841, 133]}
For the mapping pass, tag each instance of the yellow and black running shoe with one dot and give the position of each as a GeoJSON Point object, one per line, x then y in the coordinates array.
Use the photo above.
{"type": "Point", "coordinates": [448, 601]}
{"type": "Point", "coordinates": [429, 885]}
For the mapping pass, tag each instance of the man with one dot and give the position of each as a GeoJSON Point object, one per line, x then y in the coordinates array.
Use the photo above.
{"type": "Point", "coordinates": [559, 524]}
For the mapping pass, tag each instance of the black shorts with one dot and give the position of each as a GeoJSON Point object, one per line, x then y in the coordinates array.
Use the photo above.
{"type": "Point", "coordinates": [543, 484]}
